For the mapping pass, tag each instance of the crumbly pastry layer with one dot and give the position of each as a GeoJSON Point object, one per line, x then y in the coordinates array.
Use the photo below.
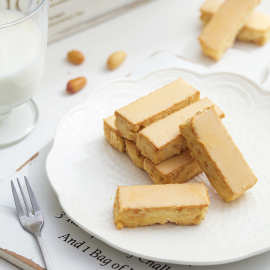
{"type": "Point", "coordinates": [153, 107]}
{"type": "Point", "coordinates": [256, 29]}
{"type": "Point", "coordinates": [218, 156]}
{"type": "Point", "coordinates": [221, 31]}
{"type": "Point", "coordinates": [134, 154]}
{"type": "Point", "coordinates": [112, 134]}
{"type": "Point", "coordinates": [162, 140]}
{"type": "Point", "coordinates": [175, 170]}
{"type": "Point", "coordinates": [183, 204]}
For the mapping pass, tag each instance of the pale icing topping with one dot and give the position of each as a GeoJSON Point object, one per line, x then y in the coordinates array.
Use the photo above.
{"type": "Point", "coordinates": [166, 130]}
{"type": "Point", "coordinates": [157, 102]}
{"type": "Point", "coordinates": [211, 6]}
{"type": "Point", "coordinates": [168, 166]}
{"type": "Point", "coordinates": [226, 22]}
{"type": "Point", "coordinates": [162, 196]}
{"type": "Point", "coordinates": [257, 21]}
{"type": "Point", "coordinates": [211, 132]}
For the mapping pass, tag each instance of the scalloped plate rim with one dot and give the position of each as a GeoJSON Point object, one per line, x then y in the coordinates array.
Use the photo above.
{"type": "Point", "coordinates": [134, 80]}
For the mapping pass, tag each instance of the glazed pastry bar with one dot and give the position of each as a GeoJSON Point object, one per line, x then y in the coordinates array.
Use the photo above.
{"type": "Point", "coordinates": [221, 31]}
{"type": "Point", "coordinates": [177, 169]}
{"type": "Point", "coordinates": [256, 29]}
{"type": "Point", "coordinates": [218, 156]}
{"type": "Point", "coordinates": [157, 105]}
{"type": "Point", "coordinates": [183, 204]}
{"type": "Point", "coordinates": [162, 139]}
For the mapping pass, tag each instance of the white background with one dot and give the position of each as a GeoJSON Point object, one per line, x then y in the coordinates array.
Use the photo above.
{"type": "Point", "coordinates": [171, 25]}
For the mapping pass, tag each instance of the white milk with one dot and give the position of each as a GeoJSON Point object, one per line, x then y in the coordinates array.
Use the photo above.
{"type": "Point", "coordinates": [20, 60]}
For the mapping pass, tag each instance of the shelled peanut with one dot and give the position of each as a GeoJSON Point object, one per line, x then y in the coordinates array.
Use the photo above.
{"type": "Point", "coordinates": [76, 85]}
{"type": "Point", "coordinates": [75, 57]}
{"type": "Point", "coordinates": [116, 59]}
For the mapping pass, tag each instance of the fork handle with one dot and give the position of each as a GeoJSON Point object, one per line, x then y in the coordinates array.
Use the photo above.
{"type": "Point", "coordinates": [45, 253]}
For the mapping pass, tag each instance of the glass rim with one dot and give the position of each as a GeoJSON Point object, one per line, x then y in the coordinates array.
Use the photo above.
{"type": "Point", "coordinates": [24, 18]}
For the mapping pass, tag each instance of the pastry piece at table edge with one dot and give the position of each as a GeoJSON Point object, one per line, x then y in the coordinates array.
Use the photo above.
{"type": "Point", "coordinates": [217, 154]}
{"type": "Point", "coordinates": [153, 107]}
{"type": "Point", "coordinates": [162, 140]}
{"type": "Point", "coordinates": [256, 29]}
{"type": "Point", "coordinates": [183, 204]}
{"type": "Point", "coordinates": [112, 134]}
{"type": "Point", "coordinates": [221, 31]}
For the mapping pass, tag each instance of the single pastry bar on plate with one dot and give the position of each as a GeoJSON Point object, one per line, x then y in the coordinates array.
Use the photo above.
{"type": "Point", "coordinates": [218, 156]}
{"type": "Point", "coordinates": [175, 170]}
{"type": "Point", "coordinates": [113, 135]}
{"type": "Point", "coordinates": [183, 204]}
{"type": "Point", "coordinates": [155, 106]}
{"type": "Point", "coordinates": [221, 31]}
{"type": "Point", "coordinates": [256, 29]}
{"type": "Point", "coordinates": [135, 155]}
{"type": "Point", "coordinates": [162, 139]}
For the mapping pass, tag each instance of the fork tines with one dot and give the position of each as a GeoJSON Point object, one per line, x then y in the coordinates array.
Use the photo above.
{"type": "Point", "coordinates": [20, 210]}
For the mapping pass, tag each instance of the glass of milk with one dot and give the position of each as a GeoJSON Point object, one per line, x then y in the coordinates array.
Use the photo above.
{"type": "Point", "coordinates": [23, 40]}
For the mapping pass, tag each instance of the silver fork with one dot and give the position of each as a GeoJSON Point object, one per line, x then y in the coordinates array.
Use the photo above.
{"type": "Point", "coordinates": [31, 221]}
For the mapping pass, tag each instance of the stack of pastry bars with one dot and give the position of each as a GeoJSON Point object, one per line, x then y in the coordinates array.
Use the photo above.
{"type": "Point", "coordinates": [174, 135]}
{"type": "Point", "coordinates": [256, 28]}
{"type": "Point", "coordinates": [133, 129]}
{"type": "Point", "coordinates": [227, 20]}
{"type": "Point", "coordinates": [148, 130]}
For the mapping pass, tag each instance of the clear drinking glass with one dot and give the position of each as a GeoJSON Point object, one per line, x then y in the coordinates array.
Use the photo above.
{"type": "Point", "coordinates": [23, 41]}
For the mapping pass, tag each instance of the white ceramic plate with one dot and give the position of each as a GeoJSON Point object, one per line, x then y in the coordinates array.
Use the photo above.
{"type": "Point", "coordinates": [85, 170]}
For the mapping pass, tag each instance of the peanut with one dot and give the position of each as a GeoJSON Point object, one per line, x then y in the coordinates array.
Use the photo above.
{"type": "Point", "coordinates": [76, 85]}
{"type": "Point", "coordinates": [75, 57]}
{"type": "Point", "coordinates": [116, 59]}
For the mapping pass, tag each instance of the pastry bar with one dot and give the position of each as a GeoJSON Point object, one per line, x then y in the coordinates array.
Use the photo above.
{"type": "Point", "coordinates": [218, 156]}
{"type": "Point", "coordinates": [219, 34]}
{"type": "Point", "coordinates": [208, 9]}
{"type": "Point", "coordinates": [113, 135]}
{"type": "Point", "coordinates": [183, 204]}
{"type": "Point", "coordinates": [256, 29]}
{"type": "Point", "coordinates": [134, 154]}
{"type": "Point", "coordinates": [175, 170]}
{"type": "Point", "coordinates": [157, 105]}
{"type": "Point", "coordinates": [162, 139]}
